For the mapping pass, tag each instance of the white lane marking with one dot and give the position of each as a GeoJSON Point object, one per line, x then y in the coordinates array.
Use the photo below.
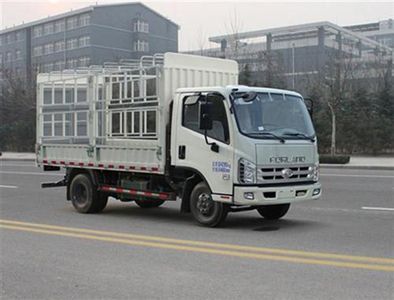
{"type": "Point", "coordinates": [357, 175]}
{"type": "Point", "coordinates": [8, 186]}
{"type": "Point", "coordinates": [338, 210]}
{"type": "Point", "coordinates": [30, 173]}
{"type": "Point", "coordinates": [16, 165]}
{"type": "Point", "coordinates": [378, 208]}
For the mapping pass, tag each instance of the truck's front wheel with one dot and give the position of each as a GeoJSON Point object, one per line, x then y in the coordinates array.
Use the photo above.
{"type": "Point", "coordinates": [273, 212]}
{"type": "Point", "coordinates": [206, 211]}
{"type": "Point", "coordinates": [84, 197]}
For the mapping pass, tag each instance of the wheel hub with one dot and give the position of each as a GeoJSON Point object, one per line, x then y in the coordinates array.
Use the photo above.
{"type": "Point", "coordinates": [204, 204]}
{"type": "Point", "coordinates": [80, 195]}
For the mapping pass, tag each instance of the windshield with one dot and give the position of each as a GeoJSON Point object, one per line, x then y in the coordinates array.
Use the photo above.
{"type": "Point", "coordinates": [283, 115]}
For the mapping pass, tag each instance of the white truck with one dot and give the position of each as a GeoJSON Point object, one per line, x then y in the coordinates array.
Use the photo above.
{"type": "Point", "coordinates": [176, 126]}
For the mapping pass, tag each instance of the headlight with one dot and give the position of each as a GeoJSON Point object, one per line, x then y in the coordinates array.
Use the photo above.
{"type": "Point", "coordinates": [316, 173]}
{"type": "Point", "coordinates": [247, 171]}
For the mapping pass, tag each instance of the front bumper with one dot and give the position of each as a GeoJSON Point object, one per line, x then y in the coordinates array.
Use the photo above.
{"type": "Point", "coordinates": [276, 194]}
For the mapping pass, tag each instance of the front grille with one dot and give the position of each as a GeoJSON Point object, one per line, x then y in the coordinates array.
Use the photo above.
{"type": "Point", "coordinates": [279, 174]}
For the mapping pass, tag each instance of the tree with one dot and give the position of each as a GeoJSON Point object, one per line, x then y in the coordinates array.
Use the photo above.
{"type": "Point", "coordinates": [17, 113]}
{"type": "Point", "coordinates": [245, 76]}
{"type": "Point", "coordinates": [336, 83]}
{"type": "Point", "coordinates": [358, 101]}
{"type": "Point", "coordinates": [201, 40]}
{"type": "Point", "coordinates": [234, 27]}
{"type": "Point", "coordinates": [385, 111]}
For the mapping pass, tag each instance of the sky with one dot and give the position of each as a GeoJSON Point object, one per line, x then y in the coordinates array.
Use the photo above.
{"type": "Point", "coordinates": [199, 20]}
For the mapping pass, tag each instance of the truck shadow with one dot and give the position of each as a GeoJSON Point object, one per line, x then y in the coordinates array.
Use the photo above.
{"type": "Point", "coordinates": [260, 224]}
{"type": "Point", "coordinates": [242, 221]}
{"type": "Point", "coordinates": [160, 214]}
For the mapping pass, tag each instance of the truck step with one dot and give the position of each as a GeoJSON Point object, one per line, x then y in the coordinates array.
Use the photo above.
{"type": "Point", "coordinates": [53, 184]}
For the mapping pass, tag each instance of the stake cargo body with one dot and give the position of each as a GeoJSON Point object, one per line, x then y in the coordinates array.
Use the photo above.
{"type": "Point", "coordinates": [115, 117]}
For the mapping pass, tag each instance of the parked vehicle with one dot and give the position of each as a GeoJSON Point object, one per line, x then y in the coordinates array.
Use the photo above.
{"type": "Point", "coordinates": [171, 127]}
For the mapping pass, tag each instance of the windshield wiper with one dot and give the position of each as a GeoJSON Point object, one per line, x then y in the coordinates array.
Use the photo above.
{"type": "Point", "coordinates": [312, 139]}
{"type": "Point", "coordinates": [282, 140]}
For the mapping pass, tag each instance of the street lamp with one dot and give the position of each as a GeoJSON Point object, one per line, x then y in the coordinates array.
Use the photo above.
{"type": "Point", "coordinates": [293, 65]}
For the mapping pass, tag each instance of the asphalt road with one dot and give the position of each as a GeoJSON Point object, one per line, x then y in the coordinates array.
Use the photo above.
{"type": "Point", "coordinates": [340, 247]}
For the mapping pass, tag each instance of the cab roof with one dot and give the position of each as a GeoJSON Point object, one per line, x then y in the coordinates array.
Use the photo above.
{"type": "Point", "coordinates": [227, 90]}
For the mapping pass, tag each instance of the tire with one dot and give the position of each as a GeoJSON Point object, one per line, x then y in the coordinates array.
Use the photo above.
{"type": "Point", "coordinates": [273, 212]}
{"type": "Point", "coordinates": [149, 203]}
{"type": "Point", "coordinates": [101, 202]}
{"type": "Point", "coordinates": [84, 196]}
{"type": "Point", "coordinates": [204, 210]}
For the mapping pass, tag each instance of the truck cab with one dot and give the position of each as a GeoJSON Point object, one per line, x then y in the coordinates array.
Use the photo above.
{"type": "Point", "coordinates": [252, 147]}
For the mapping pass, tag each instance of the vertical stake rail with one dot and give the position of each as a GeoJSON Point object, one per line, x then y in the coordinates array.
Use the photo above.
{"type": "Point", "coordinates": [91, 98]}
{"type": "Point", "coordinates": [106, 99]}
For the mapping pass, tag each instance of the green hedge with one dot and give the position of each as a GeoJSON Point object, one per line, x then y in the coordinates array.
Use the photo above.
{"type": "Point", "coordinates": [337, 159]}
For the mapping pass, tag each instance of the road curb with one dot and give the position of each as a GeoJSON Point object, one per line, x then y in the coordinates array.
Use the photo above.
{"type": "Point", "coordinates": [17, 159]}
{"type": "Point", "coordinates": [350, 167]}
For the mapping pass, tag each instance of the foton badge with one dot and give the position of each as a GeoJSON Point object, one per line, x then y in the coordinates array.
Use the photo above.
{"type": "Point", "coordinates": [287, 173]}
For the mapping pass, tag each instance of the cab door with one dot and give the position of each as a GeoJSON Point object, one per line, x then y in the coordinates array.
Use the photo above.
{"type": "Point", "coordinates": [210, 155]}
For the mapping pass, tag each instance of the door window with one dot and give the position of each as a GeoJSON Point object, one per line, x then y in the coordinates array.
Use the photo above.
{"type": "Point", "coordinates": [191, 113]}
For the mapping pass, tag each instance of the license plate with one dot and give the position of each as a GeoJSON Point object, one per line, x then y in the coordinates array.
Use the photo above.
{"type": "Point", "coordinates": [286, 194]}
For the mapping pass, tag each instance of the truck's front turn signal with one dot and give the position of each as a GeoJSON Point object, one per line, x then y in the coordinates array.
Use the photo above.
{"type": "Point", "coordinates": [316, 173]}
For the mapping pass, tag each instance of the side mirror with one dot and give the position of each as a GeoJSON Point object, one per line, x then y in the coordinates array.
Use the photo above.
{"type": "Point", "coordinates": [309, 105]}
{"type": "Point", "coordinates": [205, 116]}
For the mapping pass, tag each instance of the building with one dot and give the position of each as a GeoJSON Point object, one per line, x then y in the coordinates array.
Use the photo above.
{"type": "Point", "coordinates": [302, 53]}
{"type": "Point", "coordinates": [382, 32]}
{"type": "Point", "coordinates": [87, 36]}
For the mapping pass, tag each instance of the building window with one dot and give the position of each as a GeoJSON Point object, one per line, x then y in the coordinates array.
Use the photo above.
{"type": "Point", "coordinates": [19, 36]}
{"type": "Point", "coordinates": [48, 67]}
{"type": "Point", "coordinates": [48, 28]}
{"type": "Point", "coordinates": [141, 46]}
{"type": "Point", "coordinates": [18, 72]}
{"type": "Point", "coordinates": [37, 51]}
{"type": "Point", "coordinates": [72, 43]}
{"type": "Point", "coordinates": [84, 61]}
{"type": "Point", "coordinates": [37, 31]}
{"type": "Point", "coordinates": [9, 38]}
{"type": "Point", "coordinates": [18, 54]}
{"type": "Point", "coordinates": [59, 46]}
{"type": "Point", "coordinates": [1, 40]}
{"type": "Point", "coordinates": [141, 26]}
{"type": "Point", "coordinates": [1, 58]}
{"type": "Point", "coordinates": [72, 63]}
{"type": "Point", "coordinates": [59, 65]}
{"type": "Point", "coordinates": [84, 41]}
{"type": "Point", "coordinates": [84, 20]}
{"type": "Point", "coordinates": [72, 23]}
{"type": "Point", "coordinates": [60, 26]}
{"type": "Point", "coordinates": [48, 49]}
{"type": "Point", "coordinates": [8, 57]}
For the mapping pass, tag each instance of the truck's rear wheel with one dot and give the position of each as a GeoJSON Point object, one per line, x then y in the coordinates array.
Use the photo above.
{"type": "Point", "coordinates": [84, 197]}
{"type": "Point", "coordinates": [206, 211]}
{"type": "Point", "coordinates": [273, 212]}
{"type": "Point", "coordinates": [149, 203]}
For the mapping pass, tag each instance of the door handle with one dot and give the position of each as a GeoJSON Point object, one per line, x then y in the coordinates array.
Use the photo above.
{"type": "Point", "coordinates": [182, 152]}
